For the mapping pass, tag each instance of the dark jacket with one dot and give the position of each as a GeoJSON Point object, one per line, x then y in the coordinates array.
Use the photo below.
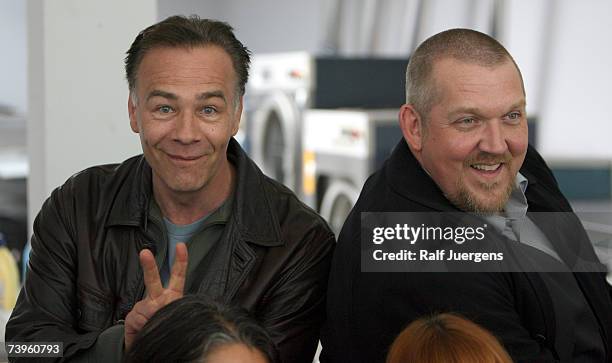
{"type": "Point", "coordinates": [84, 274]}
{"type": "Point", "coordinates": [366, 311]}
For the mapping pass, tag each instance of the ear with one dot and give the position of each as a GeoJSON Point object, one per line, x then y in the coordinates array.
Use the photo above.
{"type": "Point", "coordinates": [411, 124]}
{"type": "Point", "coordinates": [237, 117]}
{"type": "Point", "coordinates": [132, 113]}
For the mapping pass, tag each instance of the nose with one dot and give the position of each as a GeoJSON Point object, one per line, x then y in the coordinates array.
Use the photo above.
{"type": "Point", "coordinates": [493, 140]}
{"type": "Point", "coordinates": [186, 129]}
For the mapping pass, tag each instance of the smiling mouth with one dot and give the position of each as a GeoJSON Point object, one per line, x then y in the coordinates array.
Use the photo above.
{"type": "Point", "coordinates": [487, 167]}
{"type": "Point", "coordinates": [487, 170]}
{"type": "Point", "coordinates": [183, 158]}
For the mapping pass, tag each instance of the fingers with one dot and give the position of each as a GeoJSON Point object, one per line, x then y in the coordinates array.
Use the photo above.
{"type": "Point", "coordinates": [137, 318]}
{"type": "Point", "coordinates": [147, 307]}
{"type": "Point", "coordinates": [134, 322]}
{"type": "Point", "coordinates": [179, 269]}
{"type": "Point", "coordinates": [152, 280]}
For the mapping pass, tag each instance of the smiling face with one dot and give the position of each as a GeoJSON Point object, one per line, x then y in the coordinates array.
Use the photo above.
{"type": "Point", "coordinates": [185, 109]}
{"type": "Point", "coordinates": [475, 137]}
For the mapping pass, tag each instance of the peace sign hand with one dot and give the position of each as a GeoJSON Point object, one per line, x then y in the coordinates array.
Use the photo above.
{"type": "Point", "coordinates": [157, 297]}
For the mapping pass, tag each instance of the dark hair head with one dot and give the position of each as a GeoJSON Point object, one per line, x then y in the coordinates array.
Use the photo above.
{"type": "Point", "coordinates": [188, 329]}
{"type": "Point", "coordinates": [180, 31]}
{"type": "Point", "coordinates": [465, 45]}
{"type": "Point", "coordinates": [446, 338]}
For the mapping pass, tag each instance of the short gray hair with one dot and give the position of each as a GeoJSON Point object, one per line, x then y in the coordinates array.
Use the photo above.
{"type": "Point", "coordinates": [465, 45]}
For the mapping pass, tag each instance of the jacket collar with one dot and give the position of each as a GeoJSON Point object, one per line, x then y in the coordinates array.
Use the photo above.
{"type": "Point", "coordinates": [130, 205]}
{"type": "Point", "coordinates": [252, 213]}
{"type": "Point", "coordinates": [407, 178]}
{"type": "Point", "coordinates": [255, 218]}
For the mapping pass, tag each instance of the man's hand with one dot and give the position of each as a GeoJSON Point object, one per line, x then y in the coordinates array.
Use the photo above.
{"type": "Point", "coordinates": [157, 297]}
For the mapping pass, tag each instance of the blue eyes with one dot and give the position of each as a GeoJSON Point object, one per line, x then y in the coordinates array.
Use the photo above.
{"type": "Point", "coordinates": [167, 110]}
{"type": "Point", "coordinates": [466, 123]}
{"type": "Point", "coordinates": [208, 110]}
{"type": "Point", "coordinates": [514, 115]}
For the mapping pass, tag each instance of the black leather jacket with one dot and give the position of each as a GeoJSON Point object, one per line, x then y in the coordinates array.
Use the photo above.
{"type": "Point", "coordinates": [84, 275]}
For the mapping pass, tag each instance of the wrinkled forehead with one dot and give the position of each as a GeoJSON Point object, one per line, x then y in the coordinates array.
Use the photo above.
{"type": "Point", "coordinates": [187, 71]}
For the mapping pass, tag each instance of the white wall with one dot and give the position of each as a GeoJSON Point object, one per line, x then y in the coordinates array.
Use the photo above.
{"type": "Point", "coordinates": [576, 121]}
{"type": "Point", "coordinates": [212, 9]}
{"type": "Point", "coordinates": [263, 26]}
{"type": "Point", "coordinates": [369, 27]}
{"type": "Point", "coordinates": [439, 15]}
{"type": "Point", "coordinates": [77, 92]}
{"type": "Point", "coordinates": [527, 39]}
{"type": "Point", "coordinates": [13, 55]}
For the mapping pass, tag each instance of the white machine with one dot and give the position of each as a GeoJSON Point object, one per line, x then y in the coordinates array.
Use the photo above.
{"type": "Point", "coordinates": [341, 149]}
{"type": "Point", "coordinates": [284, 86]}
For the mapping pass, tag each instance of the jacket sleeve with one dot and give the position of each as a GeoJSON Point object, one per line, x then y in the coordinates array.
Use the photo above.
{"type": "Point", "coordinates": [109, 347]}
{"type": "Point", "coordinates": [47, 308]}
{"type": "Point", "coordinates": [294, 309]}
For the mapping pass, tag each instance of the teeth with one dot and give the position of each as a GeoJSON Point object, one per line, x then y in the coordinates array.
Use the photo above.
{"type": "Point", "coordinates": [486, 167]}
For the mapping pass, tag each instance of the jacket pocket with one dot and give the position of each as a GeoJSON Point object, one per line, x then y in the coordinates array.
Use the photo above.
{"type": "Point", "coordinates": [94, 309]}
